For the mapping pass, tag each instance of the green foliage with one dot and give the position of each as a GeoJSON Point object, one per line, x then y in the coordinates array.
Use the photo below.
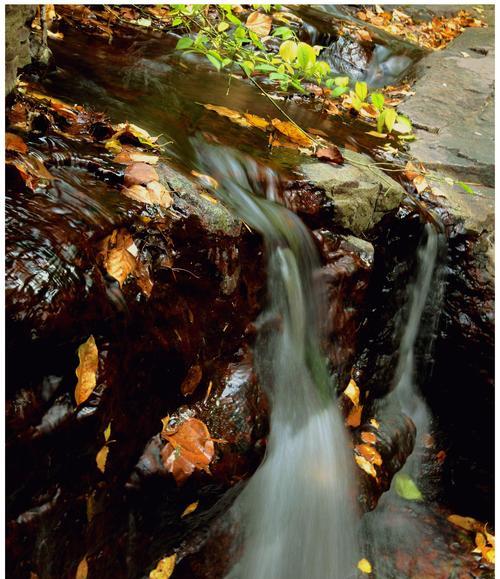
{"type": "Point", "coordinates": [227, 42]}
{"type": "Point", "coordinates": [406, 488]}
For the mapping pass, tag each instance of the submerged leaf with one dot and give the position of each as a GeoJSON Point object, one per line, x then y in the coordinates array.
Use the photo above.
{"type": "Point", "coordinates": [86, 371]}
{"type": "Point", "coordinates": [406, 488]}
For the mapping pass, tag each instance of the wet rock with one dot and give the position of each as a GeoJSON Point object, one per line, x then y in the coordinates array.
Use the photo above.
{"type": "Point", "coordinates": [17, 47]}
{"type": "Point", "coordinates": [360, 192]}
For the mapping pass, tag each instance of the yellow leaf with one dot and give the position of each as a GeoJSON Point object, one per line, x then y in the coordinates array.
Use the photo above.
{"type": "Point", "coordinates": [370, 453]}
{"type": "Point", "coordinates": [86, 371]}
{"type": "Point", "coordinates": [377, 134]}
{"type": "Point", "coordinates": [259, 23]}
{"type": "Point", "coordinates": [491, 538]}
{"type": "Point", "coordinates": [352, 392]}
{"type": "Point", "coordinates": [82, 570]}
{"type": "Point", "coordinates": [256, 121]}
{"type": "Point", "coordinates": [164, 569]}
{"type": "Point", "coordinates": [293, 133]}
{"type": "Point", "coordinates": [365, 465]}
{"type": "Point", "coordinates": [101, 458]}
{"type": "Point", "coordinates": [489, 555]}
{"type": "Point", "coordinates": [223, 111]}
{"type": "Point", "coordinates": [374, 423]}
{"type": "Point", "coordinates": [364, 566]}
{"type": "Point", "coordinates": [206, 180]}
{"type": "Point", "coordinates": [118, 251]}
{"type": "Point", "coordinates": [467, 523]}
{"type": "Point", "coordinates": [113, 145]}
{"type": "Point", "coordinates": [189, 509]}
{"type": "Point", "coordinates": [480, 540]}
{"type": "Point", "coordinates": [107, 432]}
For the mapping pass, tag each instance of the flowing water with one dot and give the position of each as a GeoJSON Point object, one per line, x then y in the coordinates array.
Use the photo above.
{"type": "Point", "coordinates": [397, 523]}
{"type": "Point", "coordinates": [297, 513]}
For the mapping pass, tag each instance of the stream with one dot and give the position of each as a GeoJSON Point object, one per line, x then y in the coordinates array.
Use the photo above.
{"type": "Point", "coordinates": [293, 511]}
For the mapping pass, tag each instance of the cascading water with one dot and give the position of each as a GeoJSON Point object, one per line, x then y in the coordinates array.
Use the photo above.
{"type": "Point", "coordinates": [393, 524]}
{"type": "Point", "coordinates": [296, 515]}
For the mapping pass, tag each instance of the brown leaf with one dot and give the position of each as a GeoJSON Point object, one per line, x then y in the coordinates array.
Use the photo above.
{"type": "Point", "coordinates": [363, 35]}
{"type": "Point", "coordinates": [330, 153]}
{"type": "Point", "coordinates": [118, 252]}
{"type": "Point", "coordinates": [164, 569]}
{"type": "Point", "coordinates": [256, 121]}
{"type": "Point", "coordinates": [259, 23]}
{"type": "Point", "coordinates": [153, 193]}
{"type": "Point", "coordinates": [15, 143]}
{"type": "Point", "coordinates": [191, 381]}
{"type": "Point", "coordinates": [189, 447]}
{"type": "Point", "coordinates": [140, 174]}
{"type": "Point", "coordinates": [129, 155]}
{"type": "Point", "coordinates": [293, 133]}
{"type": "Point", "coordinates": [86, 371]}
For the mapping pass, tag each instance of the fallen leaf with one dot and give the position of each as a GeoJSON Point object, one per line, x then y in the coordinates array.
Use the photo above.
{"type": "Point", "coordinates": [331, 153]}
{"type": "Point", "coordinates": [101, 458]}
{"type": "Point", "coordinates": [140, 174]}
{"type": "Point", "coordinates": [354, 418]}
{"type": "Point", "coordinates": [82, 570]}
{"type": "Point", "coordinates": [189, 447]}
{"type": "Point", "coordinates": [370, 453]}
{"type": "Point", "coordinates": [129, 155]}
{"type": "Point", "coordinates": [153, 193]}
{"type": "Point", "coordinates": [259, 23]}
{"type": "Point", "coordinates": [206, 180]}
{"type": "Point", "coordinates": [107, 432]}
{"type": "Point", "coordinates": [406, 488]}
{"type": "Point", "coordinates": [164, 569]}
{"type": "Point", "coordinates": [352, 392]}
{"type": "Point", "coordinates": [293, 133]}
{"type": "Point", "coordinates": [364, 566]}
{"type": "Point", "coordinates": [15, 143]}
{"type": "Point", "coordinates": [363, 35]}
{"type": "Point", "coordinates": [365, 465]}
{"type": "Point", "coordinates": [256, 121]}
{"type": "Point", "coordinates": [467, 523]}
{"type": "Point", "coordinates": [189, 509]}
{"type": "Point", "coordinates": [374, 423]}
{"type": "Point", "coordinates": [128, 131]}
{"type": "Point", "coordinates": [420, 183]}
{"type": "Point", "coordinates": [368, 437]}
{"type": "Point", "coordinates": [86, 371]}
{"type": "Point", "coordinates": [191, 381]}
{"type": "Point", "coordinates": [119, 258]}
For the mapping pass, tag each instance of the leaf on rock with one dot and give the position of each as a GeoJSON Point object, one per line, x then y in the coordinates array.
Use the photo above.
{"type": "Point", "coordinates": [352, 392]}
{"type": "Point", "coordinates": [140, 174]}
{"type": "Point", "coordinates": [101, 458]}
{"type": "Point", "coordinates": [292, 132]}
{"type": "Point", "coordinates": [119, 255]}
{"type": "Point", "coordinates": [365, 465]}
{"type": "Point", "coordinates": [364, 566]}
{"type": "Point", "coordinates": [406, 488]}
{"type": "Point", "coordinates": [82, 570]}
{"type": "Point", "coordinates": [206, 180]}
{"type": "Point", "coordinates": [256, 121]}
{"type": "Point", "coordinates": [164, 569]}
{"type": "Point", "coordinates": [86, 371]}
{"type": "Point", "coordinates": [467, 523]}
{"type": "Point", "coordinates": [259, 23]}
{"type": "Point", "coordinates": [191, 381]}
{"type": "Point", "coordinates": [370, 453]}
{"type": "Point", "coordinates": [189, 447]}
{"type": "Point", "coordinates": [15, 143]}
{"type": "Point", "coordinates": [190, 509]}
{"type": "Point", "coordinates": [129, 155]}
{"type": "Point", "coordinates": [154, 194]}
{"type": "Point", "coordinates": [368, 437]}
{"type": "Point", "coordinates": [130, 132]}
{"type": "Point", "coordinates": [375, 423]}
{"type": "Point", "coordinates": [331, 153]}
{"type": "Point", "coordinates": [354, 418]}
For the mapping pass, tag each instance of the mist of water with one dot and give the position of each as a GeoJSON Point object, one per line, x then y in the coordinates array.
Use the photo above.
{"type": "Point", "coordinates": [296, 516]}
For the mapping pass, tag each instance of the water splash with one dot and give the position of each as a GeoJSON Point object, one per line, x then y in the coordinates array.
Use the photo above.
{"type": "Point", "coordinates": [297, 513]}
{"type": "Point", "coordinates": [396, 523]}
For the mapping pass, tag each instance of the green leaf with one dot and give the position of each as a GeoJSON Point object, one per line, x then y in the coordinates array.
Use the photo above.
{"type": "Point", "coordinates": [381, 121]}
{"type": "Point", "coordinates": [403, 124]}
{"type": "Point", "coordinates": [279, 76]}
{"type": "Point", "coordinates": [183, 43]}
{"type": "Point", "coordinates": [465, 187]}
{"type": "Point", "coordinates": [288, 50]}
{"type": "Point", "coordinates": [306, 56]}
{"type": "Point", "coordinates": [240, 32]}
{"type": "Point", "coordinates": [232, 18]}
{"type": "Point", "coordinates": [284, 32]}
{"type": "Point", "coordinates": [247, 66]}
{"type": "Point", "coordinates": [390, 118]}
{"type": "Point", "coordinates": [406, 488]}
{"type": "Point", "coordinates": [356, 101]}
{"type": "Point", "coordinates": [338, 91]}
{"type": "Point", "coordinates": [222, 26]}
{"type": "Point", "coordinates": [226, 61]}
{"type": "Point", "coordinates": [322, 68]}
{"type": "Point", "coordinates": [341, 80]}
{"type": "Point", "coordinates": [265, 68]}
{"type": "Point", "coordinates": [361, 90]}
{"type": "Point", "coordinates": [214, 61]}
{"type": "Point", "coordinates": [176, 21]}
{"type": "Point", "coordinates": [378, 100]}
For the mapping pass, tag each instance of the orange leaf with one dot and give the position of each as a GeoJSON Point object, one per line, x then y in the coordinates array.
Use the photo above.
{"type": "Point", "coordinates": [370, 453]}
{"type": "Point", "coordinates": [467, 523]}
{"type": "Point", "coordinates": [86, 371]}
{"type": "Point", "coordinates": [189, 447]}
{"type": "Point", "coordinates": [118, 251]}
{"type": "Point", "coordinates": [292, 132]}
{"type": "Point", "coordinates": [354, 418]}
{"type": "Point", "coordinates": [259, 23]}
{"type": "Point", "coordinates": [140, 174]}
{"type": "Point", "coordinates": [256, 121]}
{"type": "Point", "coordinates": [331, 153]}
{"type": "Point", "coordinates": [368, 437]}
{"type": "Point", "coordinates": [189, 509]}
{"type": "Point", "coordinates": [153, 194]}
{"type": "Point", "coordinates": [15, 143]}
{"type": "Point", "coordinates": [352, 392]}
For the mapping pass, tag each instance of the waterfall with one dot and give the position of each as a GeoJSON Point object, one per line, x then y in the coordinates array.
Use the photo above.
{"type": "Point", "coordinates": [396, 523]}
{"type": "Point", "coordinates": [297, 515]}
